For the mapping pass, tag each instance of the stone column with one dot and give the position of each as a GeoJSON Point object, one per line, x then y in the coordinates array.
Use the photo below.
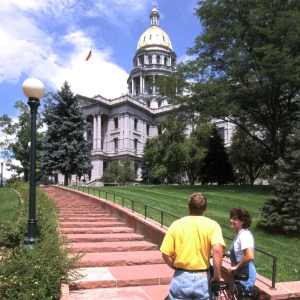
{"type": "Point", "coordinates": [133, 87]}
{"type": "Point", "coordinates": [94, 133]}
{"type": "Point", "coordinates": [154, 87]}
{"type": "Point", "coordinates": [141, 84]}
{"type": "Point", "coordinates": [99, 132]}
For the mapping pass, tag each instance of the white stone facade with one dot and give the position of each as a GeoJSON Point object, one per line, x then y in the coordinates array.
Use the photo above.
{"type": "Point", "coordinates": [119, 128]}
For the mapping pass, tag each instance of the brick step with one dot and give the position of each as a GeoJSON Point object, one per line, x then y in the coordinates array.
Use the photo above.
{"type": "Point", "coordinates": [99, 215]}
{"type": "Point", "coordinates": [88, 224]}
{"type": "Point", "coordinates": [97, 230]}
{"type": "Point", "coordinates": [107, 277]}
{"type": "Point", "coordinates": [111, 246]}
{"type": "Point", "coordinates": [87, 219]}
{"type": "Point", "coordinates": [119, 259]}
{"type": "Point", "coordinates": [152, 292]}
{"type": "Point", "coordinates": [103, 237]}
{"type": "Point", "coordinates": [83, 211]}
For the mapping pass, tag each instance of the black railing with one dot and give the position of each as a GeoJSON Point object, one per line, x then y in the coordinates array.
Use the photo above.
{"type": "Point", "coordinates": [162, 216]}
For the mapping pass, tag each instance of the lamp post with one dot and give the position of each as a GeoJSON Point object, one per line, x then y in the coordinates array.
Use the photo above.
{"type": "Point", "coordinates": [34, 90]}
{"type": "Point", "coordinates": [1, 182]}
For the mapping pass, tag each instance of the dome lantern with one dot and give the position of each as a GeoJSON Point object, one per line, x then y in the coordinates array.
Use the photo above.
{"type": "Point", "coordinates": [154, 17]}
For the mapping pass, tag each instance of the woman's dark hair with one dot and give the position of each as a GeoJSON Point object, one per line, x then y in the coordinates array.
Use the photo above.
{"type": "Point", "coordinates": [242, 215]}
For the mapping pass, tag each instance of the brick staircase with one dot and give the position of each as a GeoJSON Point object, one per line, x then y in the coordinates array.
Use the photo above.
{"type": "Point", "coordinates": [116, 262]}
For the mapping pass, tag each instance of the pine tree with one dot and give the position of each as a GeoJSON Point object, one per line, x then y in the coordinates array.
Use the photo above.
{"type": "Point", "coordinates": [217, 167]}
{"type": "Point", "coordinates": [282, 213]}
{"type": "Point", "coordinates": [65, 148]}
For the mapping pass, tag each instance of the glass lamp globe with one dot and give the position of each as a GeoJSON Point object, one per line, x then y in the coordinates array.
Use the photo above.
{"type": "Point", "coordinates": [33, 88]}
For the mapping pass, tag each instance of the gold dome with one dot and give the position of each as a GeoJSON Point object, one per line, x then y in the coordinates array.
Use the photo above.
{"type": "Point", "coordinates": [154, 36]}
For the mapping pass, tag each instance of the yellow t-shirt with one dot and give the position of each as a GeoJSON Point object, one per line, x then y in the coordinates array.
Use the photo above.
{"type": "Point", "coordinates": [189, 241]}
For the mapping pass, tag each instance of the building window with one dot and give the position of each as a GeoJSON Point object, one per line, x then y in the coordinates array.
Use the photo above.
{"type": "Point", "coordinates": [158, 59]}
{"type": "Point", "coordinates": [141, 58]}
{"type": "Point", "coordinates": [105, 165]}
{"type": "Point", "coordinates": [135, 124]}
{"type": "Point", "coordinates": [116, 122]}
{"type": "Point", "coordinates": [135, 145]}
{"type": "Point", "coordinates": [148, 129]}
{"type": "Point", "coordinates": [159, 129]}
{"type": "Point", "coordinates": [136, 168]}
{"type": "Point", "coordinates": [150, 59]}
{"type": "Point", "coordinates": [116, 145]}
{"type": "Point", "coordinates": [221, 132]}
{"type": "Point", "coordinates": [166, 60]}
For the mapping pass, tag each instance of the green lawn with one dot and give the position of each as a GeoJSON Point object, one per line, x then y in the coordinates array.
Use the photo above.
{"type": "Point", "coordinates": [174, 200]}
{"type": "Point", "coordinates": [9, 204]}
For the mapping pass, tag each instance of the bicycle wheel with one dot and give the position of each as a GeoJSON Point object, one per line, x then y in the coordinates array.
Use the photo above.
{"type": "Point", "coordinates": [226, 294]}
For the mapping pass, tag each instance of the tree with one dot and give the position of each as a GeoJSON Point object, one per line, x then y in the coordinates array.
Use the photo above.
{"type": "Point", "coordinates": [153, 159]}
{"type": "Point", "coordinates": [65, 148]}
{"type": "Point", "coordinates": [119, 171]}
{"type": "Point", "coordinates": [247, 156]}
{"type": "Point", "coordinates": [164, 155]}
{"type": "Point", "coordinates": [245, 67]}
{"type": "Point", "coordinates": [196, 150]}
{"type": "Point", "coordinates": [17, 140]}
{"type": "Point", "coordinates": [282, 213]}
{"type": "Point", "coordinates": [173, 155]}
{"type": "Point", "coordinates": [216, 166]}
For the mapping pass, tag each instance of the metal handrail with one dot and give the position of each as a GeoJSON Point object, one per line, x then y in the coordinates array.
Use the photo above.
{"type": "Point", "coordinates": [162, 215]}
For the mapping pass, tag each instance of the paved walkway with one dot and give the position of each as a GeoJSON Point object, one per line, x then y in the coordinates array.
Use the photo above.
{"type": "Point", "coordinates": [116, 262]}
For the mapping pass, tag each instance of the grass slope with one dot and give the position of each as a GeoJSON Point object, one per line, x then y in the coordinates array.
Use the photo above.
{"type": "Point", "coordinates": [9, 204]}
{"type": "Point", "coordinates": [174, 200]}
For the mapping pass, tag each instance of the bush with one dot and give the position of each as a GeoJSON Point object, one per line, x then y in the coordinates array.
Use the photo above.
{"type": "Point", "coordinates": [38, 272]}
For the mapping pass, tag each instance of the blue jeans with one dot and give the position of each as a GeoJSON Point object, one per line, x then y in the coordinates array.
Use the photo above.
{"type": "Point", "coordinates": [189, 286]}
{"type": "Point", "coordinates": [248, 284]}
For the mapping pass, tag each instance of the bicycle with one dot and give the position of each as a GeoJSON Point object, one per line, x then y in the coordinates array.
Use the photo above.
{"type": "Point", "coordinates": [233, 290]}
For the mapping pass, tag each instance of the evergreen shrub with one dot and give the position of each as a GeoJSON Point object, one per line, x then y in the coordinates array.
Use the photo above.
{"type": "Point", "coordinates": [35, 273]}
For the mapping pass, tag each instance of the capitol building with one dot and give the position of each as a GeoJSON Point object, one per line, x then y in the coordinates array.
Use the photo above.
{"type": "Point", "coordinates": [119, 128]}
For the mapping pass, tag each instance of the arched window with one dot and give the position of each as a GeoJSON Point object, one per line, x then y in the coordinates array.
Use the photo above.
{"type": "Point", "coordinates": [135, 145]}
{"type": "Point", "coordinates": [166, 61]}
{"type": "Point", "coordinates": [136, 124]}
{"type": "Point", "coordinates": [158, 59]}
{"type": "Point", "coordinates": [116, 122]}
{"type": "Point", "coordinates": [116, 145]}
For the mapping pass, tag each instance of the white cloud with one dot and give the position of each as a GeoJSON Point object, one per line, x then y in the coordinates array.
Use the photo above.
{"type": "Point", "coordinates": [98, 75]}
{"type": "Point", "coordinates": [27, 50]}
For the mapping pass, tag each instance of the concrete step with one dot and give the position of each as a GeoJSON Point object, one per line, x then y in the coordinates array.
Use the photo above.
{"type": "Point", "coordinates": [111, 247]}
{"type": "Point", "coordinates": [93, 230]}
{"type": "Point", "coordinates": [122, 276]}
{"type": "Point", "coordinates": [119, 259]}
{"type": "Point", "coordinates": [152, 292]}
{"type": "Point", "coordinates": [103, 237]}
{"type": "Point", "coordinates": [95, 224]}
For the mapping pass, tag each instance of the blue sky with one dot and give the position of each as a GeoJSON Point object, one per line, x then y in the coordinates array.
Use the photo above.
{"type": "Point", "coordinates": [49, 39]}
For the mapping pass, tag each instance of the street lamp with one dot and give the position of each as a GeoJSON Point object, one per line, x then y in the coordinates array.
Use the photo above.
{"type": "Point", "coordinates": [1, 179]}
{"type": "Point", "coordinates": [34, 90]}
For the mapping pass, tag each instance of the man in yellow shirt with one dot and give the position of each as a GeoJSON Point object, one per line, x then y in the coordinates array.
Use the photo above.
{"type": "Point", "coordinates": [187, 247]}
